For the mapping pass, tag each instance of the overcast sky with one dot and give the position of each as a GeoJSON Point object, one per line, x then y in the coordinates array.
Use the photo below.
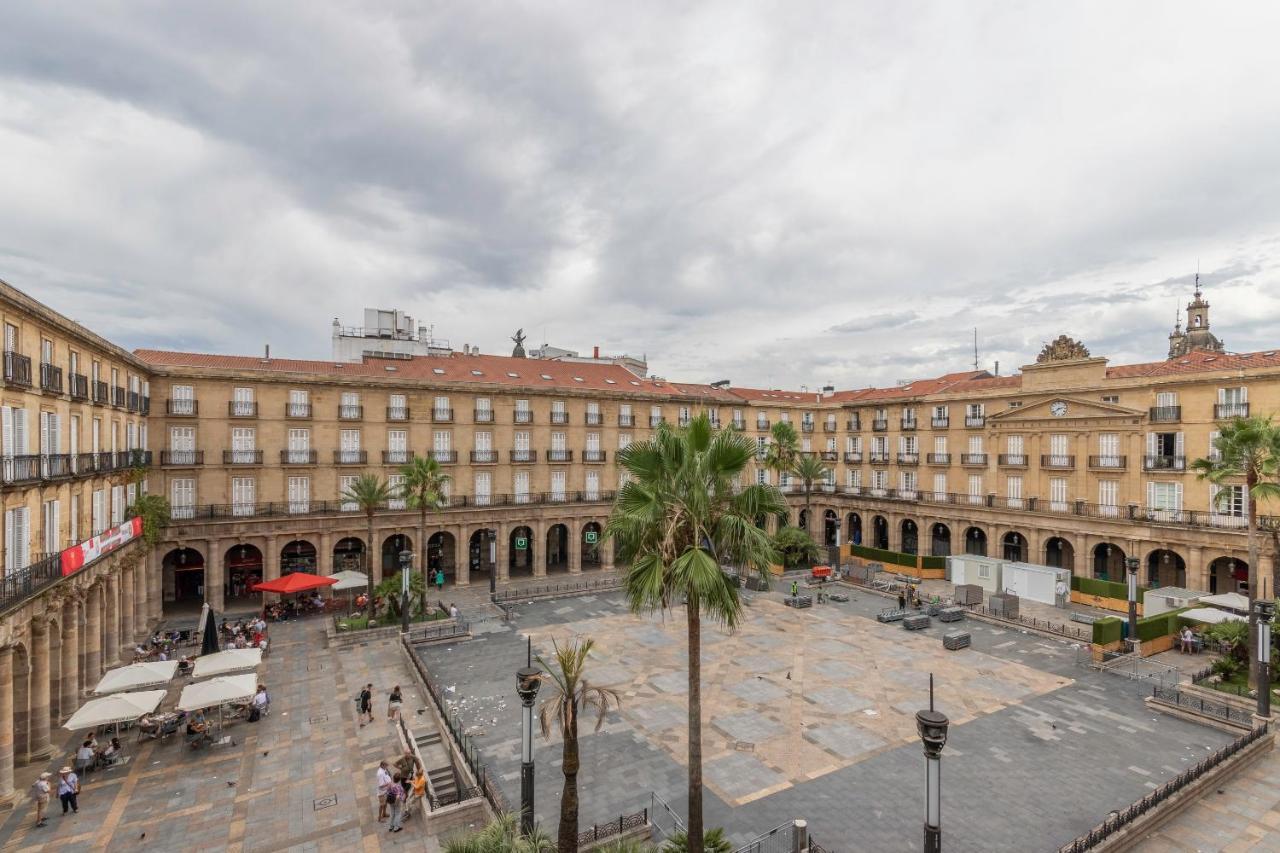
{"type": "Point", "coordinates": [779, 194]}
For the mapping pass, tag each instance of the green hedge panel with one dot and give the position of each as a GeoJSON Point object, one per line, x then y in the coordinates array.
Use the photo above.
{"type": "Point", "coordinates": [1107, 630]}
{"type": "Point", "coordinates": [893, 557]}
{"type": "Point", "coordinates": [1105, 589]}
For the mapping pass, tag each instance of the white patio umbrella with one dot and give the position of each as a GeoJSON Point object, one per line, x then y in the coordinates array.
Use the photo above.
{"type": "Point", "coordinates": [218, 691]}
{"type": "Point", "coordinates": [224, 663]}
{"type": "Point", "coordinates": [349, 580]}
{"type": "Point", "coordinates": [137, 675]}
{"type": "Point", "coordinates": [1211, 615]}
{"type": "Point", "coordinates": [1229, 600]}
{"type": "Point", "coordinates": [117, 708]}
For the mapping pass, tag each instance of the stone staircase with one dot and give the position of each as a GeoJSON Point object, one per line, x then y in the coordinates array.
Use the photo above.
{"type": "Point", "coordinates": [441, 780]}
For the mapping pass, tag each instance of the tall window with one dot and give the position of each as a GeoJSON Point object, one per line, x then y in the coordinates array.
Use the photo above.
{"type": "Point", "coordinates": [975, 445]}
{"type": "Point", "coordinates": [349, 445]}
{"type": "Point", "coordinates": [483, 486]}
{"type": "Point", "coordinates": [345, 483]}
{"type": "Point", "coordinates": [299, 494]}
{"type": "Point", "coordinates": [593, 485]}
{"type": "Point", "coordinates": [1058, 494]}
{"type": "Point", "coordinates": [1228, 506]}
{"type": "Point", "coordinates": [182, 400]}
{"type": "Point", "coordinates": [17, 538]}
{"type": "Point", "coordinates": [1059, 451]}
{"type": "Point", "coordinates": [908, 483]}
{"type": "Point", "coordinates": [484, 441]}
{"type": "Point", "coordinates": [1164, 500]}
{"type": "Point", "coordinates": [1107, 495]}
{"type": "Point", "coordinates": [939, 487]}
{"type": "Point", "coordinates": [624, 440]}
{"type": "Point", "coordinates": [395, 487]}
{"type": "Point", "coordinates": [243, 445]}
{"type": "Point", "coordinates": [98, 512]}
{"type": "Point", "coordinates": [398, 406]}
{"type": "Point", "coordinates": [441, 410]}
{"type": "Point", "coordinates": [397, 446]}
{"type": "Point", "coordinates": [1109, 450]}
{"type": "Point", "coordinates": [50, 512]}
{"type": "Point", "coordinates": [520, 486]}
{"type": "Point", "coordinates": [243, 496]}
{"type": "Point", "coordinates": [182, 497]}
{"type": "Point", "coordinates": [1013, 491]}
{"type": "Point", "coordinates": [242, 402]}
{"type": "Point", "coordinates": [975, 488]}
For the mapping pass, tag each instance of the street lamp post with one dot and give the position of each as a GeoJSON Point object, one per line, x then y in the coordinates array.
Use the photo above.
{"type": "Point", "coordinates": [528, 679]}
{"type": "Point", "coordinates": [406, 566]}
{"type": "Point", "coordinates": [1265, 611]}
{"type": "Point", "coordinates": [932, 726]}
{"type": "Point", "coordinates": [1131, 563]}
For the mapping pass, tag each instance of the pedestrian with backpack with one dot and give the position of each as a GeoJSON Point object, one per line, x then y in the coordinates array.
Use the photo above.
{"type": "Point", "coordinates": [364, 705]}
{"type": "Point", "coordinates": [395, 802]}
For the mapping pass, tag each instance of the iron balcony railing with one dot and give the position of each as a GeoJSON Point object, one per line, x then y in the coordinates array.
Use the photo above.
{"type": "Point", "coordinates": [1115, 462]}
{"type": "Point", "coordinates": [973, 459]}
{"type": "Point", "coordinates": [446, 457]}
{"type": "Point", "coordinates": [1057, 460]}
{"type": "Point", "coordinates": [182, 408]}
{"type": "Point", "coordinates": [560, 455]}
{"type": "Point", "coordinates": [1164, 414]}
{"type": "Point", "coordinates": [940, 423]}
{"type": "Point", "coordinates": [524, 456]}
{"type": "Point", "coordinates": [806, 426]}
{"type": "Point", "coordinates": [1230, 410]}
{"type": "Point", "coordinates": [559, 417]}
{"type": "Point", "coordinates": [55, 466]}
{"type": "Point", "coordinates": [852, 457]}
{"type": "Point", "coordinates": [100, 392]}
{"type": "Point", "coordinates": [242, 409]}
{"type": "Point", "coordinates": [214, 512]}
{"type": "Point", "coordinates": [297, 410]}
{"type": "Point", "coordinates": [879, 425]}
{"type": "Point", "coordinates": [626, 420]}
{"type": "Point", "coordinates": [522, 416]}
{"type": "Point", "coordinates": [79, 386]}
{"type": "Point", "coordinates": [683, 420]}
{"type": "Point", "coordinates": [117, 396]}
{"type": "Point", "coordinates": [830, 456]}
{"type": "Point", "coordinates": [133, 401]}
{"type": "Point", "coordinates": [854, 424]}
{"type": "Point", "coordinates": [17, 369]}
{"type": "Point", "coordinates": [482, 416]}
{"type": "Point", "coordinates": [347, 412]}
{"type": "Point", "coordinates": [484, 457]}
{"type": "Point", "coordinates": [879, 458]}
{"type": "Point", "coordinates": [829, 426]}
{"type": "Point", "coordinates": [21, 469]}
{"type": "Point", "coordinates": [439, 415]}
{"type": "Point", "coordinates": [1164, 462]}
{"type": "Point", "coordinates": [762, 424]}
{"type": "Point", "coordinates": [593, 419]}
{"type": "Point", "coordinates": [738, 424]}
{"type": "Point", "coordinates": [938, 458]}
{"type": "Point", "coordinates": [396, 457]}
{"type": "Point", "coordinates": [594, 455]}
{"type": "Point", "coordinates": [907, 424]}
{"type": "Point", "coordinates": [654, 420]}
{"type": "Point", "coordinates": [84, 464]}
{"type": "Point", "coordinates": [145, 406]}
{"type": "Point", "coordinates": [350, 457]}
{"type": "Point", "coordinates": [401, 413]}
{"type": "Point", "coordinates": [242, 457]}
{"type": "Point", "coordinates": [1012, 460]}
{"type": "Point", "coordinates": [298, 457]}
{"type": "Point", "coordinates": [50, 378]}
{"type": "Point", "coordinates": [908, 458]}
{"type": "Point", "coordinates": [974, 421]}
{"type": "Point", "coordinates": [183, 458]}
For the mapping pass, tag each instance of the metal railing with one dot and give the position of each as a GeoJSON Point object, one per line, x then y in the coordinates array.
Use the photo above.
{"type": "Point", "coordinates": [776, 840]}
{"type": "Point", "coordinates": [439, 416]}
{"type": "Point", "coordinates": [78, 385]}
{"type": "Point", "coordinates": [400, 413]}
{"type": "Point", "coordinates": [444, 456]}
{"type": "Point", "coordinates": [663, 820]}
{"type": "Point", "coordinates": [1164, 414]}
{"type": "Point", "coordinates": [593, 419]}
{"type": "Point", "coordinates": [281, 509]}
{"type": "Point", "coordinates": [522, 416]}
{"type": "Point", "coordinates": [398, 457]}
{"type": "Point", "coordinates": [1230, 410]}
{"type": "Point", "coordinates": [298, 457]}
{"type": "Point", "coordinates": [623, 824]}
{"type": "Point", "coordinates": [594, 455]}
{"type": "Point", "coordinates": [297, 410]}
{"type": "Point", "coordinates": [100, 392]}
{"type": "Point", "coordinates": [975, 421]}
{"type": "Point", "coordinates": [242, 409]}
{"type": "Point", "coordinates": [482, 416]}
{"type": "Point", "coordinates": [559, 417]}
{"type": "Point", "coordinates": [940, 423]}
{"type": "Point", "coordinates": [182, 407]}
{"type": "Point", "coordinates": [853, 424]}
{"type": "Point", "coordinates": [879, 424]}
{"type": "Point", "coordinates": [938, 458]}
{"type": "Point", "coordinates": [560, 455]}
{"type": "Point", "coordinates": [50, 378]}
{"type": "Point", "coordinates": [557, 590]}
{"type": "Point", "coordinates": [1061, 629]}
{"type": "Point", "coordinates": [1018, 460]}
{"type": "Point", "coordinates": [908, 458]}
{"type": "Point", "coordinates": [484, 456]}
{"type": "Point", "coordinates": [1050, 460]}
{"type": "Point", "coordinates": [242, 457]}
{"type": "Point", "coordinates": [973, 459]}
{"type": "Point", "coordinates": [907, 424]}
{"type": "Point", "coordinates": [1113, 462]}
{"type": "Point", "coordinates": [524, 456]}
{"type": "Point", "coordinates": [626, 420]}
{"type": "Point", "coordinates": [182, 457]}
{"type": "Point", "coordinates": [1118, 820]}
{"type": "Point", "coordinates": [350, 413]}
{"type": "Point", "coordinates": [117, 396]}
{"type": "Point", "coordinates": [17, 369]}
{"type": "Point", "coordinates": [1171, 695]}
{"type": "Point", "coordinates": [852, 457]}
{"type": "Point", "coordinates": [1164, 462]}
{"type": "Point", "coordinates": [350, 457]}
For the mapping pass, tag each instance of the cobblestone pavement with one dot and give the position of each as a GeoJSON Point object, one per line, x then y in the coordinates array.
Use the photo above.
{"type": "Point", "coordinates": [1040, 749]}
{"type": "Point", "coordinates": [301, 779]}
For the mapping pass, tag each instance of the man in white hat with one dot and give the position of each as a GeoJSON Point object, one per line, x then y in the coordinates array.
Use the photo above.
{"type": "Point", "coordinates": [68, 789]}
{"type": "Point", "coordinates": [40, 793]}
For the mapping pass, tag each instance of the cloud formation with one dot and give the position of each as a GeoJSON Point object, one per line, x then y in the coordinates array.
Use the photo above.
{"type": "Point", "coordinates": [735, 190]}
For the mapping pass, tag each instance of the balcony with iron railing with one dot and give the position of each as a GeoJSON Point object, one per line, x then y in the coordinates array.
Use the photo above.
{"type": "Point", "coordinates": [297, 411]}
{"type": "Point", "coordinates": [559, 417]}
{"type": "Point", "coordinates": [20, 469]}
{"type": "Point", "coordinates": [806, 426]}
{"type": "Point", "coordinates": [84, 464]}
{"type": "Point", "coordinates": [522, 416]}
{"type": "Point", "coordinates": [78, 385]}
{"type": "Point", "coordinates": [181, 458]}
{"type": "Point", "coordinates": [560, 455]}
{"type": "Point", "coordinates": [145, 407]}
{"type": "Point", "coordinates": [907, 424]}
{"type": "Point", "coordinates": [100, 392]}
{"type": "Point", "coordinates": [654, 420]}
{"type": "Point", "coordinates": [1108, 462]}
{"type": "Point", "coordinates": [438, 415]}
{"type": "Point", "coordinates": [242, 409]}
{"type": "Point", "coordinates": [50, 378]}
{"type": "Point", "coordinates": [975, 421]}
{"type": "Point", "coordinates": [283, 509]}
{"type": "Point", "coordinates": [973, 459]}
{"type": "Point", "coordinates": [350, 412]}
{"type": "Point", "coordinates": [1012, 460]}
{"type": "Point", "coordinates": [482, 416]}
{"type": "Point", "coordinates": [1164, 414]}
{"type": "Point", "coordinates": [626, 420]}
{"type": "Point", "coordinates": [242, 457]}
{"type": "Point", "coordinates": [594, 455]}
{"type": "Point", "coordinates": [854, 424]}
{"type": "Point", "coordinates": [350, 457]}
{"type": "Point", "coordinates": [484, 457]}
{"type": "Point", "coordinates": [181, 408]}
{"type": "Point", "coordinates": [133, 401]}
{"type": "Point", "coordinates": [17, 369]}
{"type": "Point", "coordinates": [396, 457]}
{"type": "Point", "coordinates": [445, 457]}
{"type": "Point", "coordinates": [830, 456]}
{"type": "Point", "coordinates": [940, 423]}
{"type": "Point", "coordinates": [401, 413]}
{"type": "Point", "coordinates": [1222, 411]}
{"type": "Point", "coordinates": [524, 456]}
{"type": "Point", "coordinates": [117, 396]}
{"type": "Point", "coordinates": [852, 457]}
{"type": "Point", "coordinates": [298, 457]}
{"type": "Point", "coordinates": [938, 458]}
{"type": "Point", "coordinates": [879, 424]}
{"type": "Point", "coordinates": [739, 424]}
{"type": "Point", "coordinates": [879, 458]}
{"type": "Point", "coordinates": [908, 458]}
{"type": "Point", "coordinates": [828, 426]}
{"type": "Point", "coordinates": [593, 419]}
{"type": "Point", "coordinates": [55, 466]}
{"type": "Point", "coordinates": [1164, 462]}
{"type": "Point", "coordinates": [1057, 461]}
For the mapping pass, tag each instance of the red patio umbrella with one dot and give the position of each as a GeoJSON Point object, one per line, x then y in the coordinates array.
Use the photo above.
{"type": "Point", "coordinates": [294, 582]}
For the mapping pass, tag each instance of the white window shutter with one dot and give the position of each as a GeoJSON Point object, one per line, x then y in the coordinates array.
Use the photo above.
{"type": "Point", "coordinates": [1177, 496]}
{"type": "Point", "coordinates": [1151, 444]}
{"type": "Point", "coordinates": [20, 432]}
{"type": "Point", "coordinates": [10, 542]}
{"type": "Point", "coordinates": [1151, 494]}
{"type": "Point", "coordinates": [1178, 446]}
{"type": "Point", "coordinates": [1222, 396]}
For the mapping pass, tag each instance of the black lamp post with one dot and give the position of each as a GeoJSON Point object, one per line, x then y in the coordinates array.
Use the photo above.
{"type": "Point", "coordinates": [406, 566]}
{"type": "Point", "coordinates": [932, 726]}
{"type": "Point", "coordinates": [1264, 611]}
{"type": "Point", "coordinates": [1131, 563]}
{"type": "Point", "coordinates": [528, 679]}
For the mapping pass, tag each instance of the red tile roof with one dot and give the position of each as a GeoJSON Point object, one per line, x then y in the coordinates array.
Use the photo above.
{"type": "Point", "coordinates": [1197, 361]}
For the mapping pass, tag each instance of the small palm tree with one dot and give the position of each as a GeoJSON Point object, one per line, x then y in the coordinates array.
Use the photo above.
{"type": "Point", "coordinates": [370, 493]}
{"type": "Point", "coordinates": [502, 835]}
{"type": "Point", "coordinates": [713, 842]}
{"type": "Point", "coordinates": [1247, 449]}
{"type": "Point", "coordinates": [781, 456]}
{"type": "Point", "coordinates": [809, 469]}
{"type": "Point", "coordinates": [570, 693]}
{"type": "Point", "coordinates": [423, 489]}
{"type": "Point", "coordinates": [677, 519]}
{"type": "Point", "coordinates": [795, 547]}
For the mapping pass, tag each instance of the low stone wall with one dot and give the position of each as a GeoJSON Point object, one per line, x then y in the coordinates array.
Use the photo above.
{"type": "Point", "coordinates": [337, 639]}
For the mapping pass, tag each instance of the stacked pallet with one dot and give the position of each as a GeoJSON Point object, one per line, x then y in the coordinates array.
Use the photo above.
{"type": "Point", "coordinates": [955, 640]}
{"type": "Point", "coordinates": [916, 621]}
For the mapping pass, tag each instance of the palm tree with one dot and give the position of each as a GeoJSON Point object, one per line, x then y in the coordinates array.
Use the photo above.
{"type": "Point", "coordinates": [1248, 449]}
{"type": "Point", "coordinates": [369, 493]}
{"type": "Point", "coordinates": [423, 489]}
{"type": "Point", "coordinates": [679, 517]}
{"type": "Point", "coordinates": [502, 835]}
{"type": "Point", "coordinates": [780, 458]}
{"type": "Point", "coordinates": [571, 692]}
{"type": "Point", "coordinates": [714, 842]}
{"type": "Point", "coordinates": [809, 469]}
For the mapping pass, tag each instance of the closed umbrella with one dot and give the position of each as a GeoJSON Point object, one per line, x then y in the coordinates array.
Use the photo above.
{"type": "Point", "coordinates": [225, 663]}
{"type": "Point", "coordinates": [118, 708]}
{"type": "Point", "coordinates": [136, 676]}
{"type": "Point", "coordinates": [209, 631]}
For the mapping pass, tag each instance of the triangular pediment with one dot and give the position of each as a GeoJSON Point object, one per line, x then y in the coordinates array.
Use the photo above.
{"type": "Point", "coordinates": [1064, 407]}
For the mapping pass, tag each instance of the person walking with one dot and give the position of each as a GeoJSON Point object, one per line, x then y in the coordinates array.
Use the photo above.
{"type": "Point", "coordinates": [440, 580]}
{"type": "Point", "coordinates": [902, 600]}
{"type": "Point", "coordinates": [68, 789]}
{"type": "Point", "coordinates": [40, 793]}
{"type": "Point", "coordinates": [384, 784]}
{"type": "Point", "coordinates": [364, 705]}
{"type": "Point", "coordinates": [395, 802]}
{"type": "Point", "coordinates": [393, 704]}
{"type": "Point", "coordinates": [795, 589]}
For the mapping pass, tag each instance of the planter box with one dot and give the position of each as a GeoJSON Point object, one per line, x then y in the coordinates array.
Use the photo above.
{"type": "Point", "coordinates": [1116, 605]}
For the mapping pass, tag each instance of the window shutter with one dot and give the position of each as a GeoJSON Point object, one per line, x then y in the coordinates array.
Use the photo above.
{"type": "Point", "coordinates": [1177, 496]}
{"type": "Point", "coordinates": [23, 535]}
{"type": "Point", "coordinates": [19, 432]}
{"type": "Point", "coordinates": [10, 542]}
{"type": "Point", "coordinates": [1151, 444]}
{"type": "Point", "coordinates": [1178, 448]}
{"type": "Point", "coordinates": [1151, 494]}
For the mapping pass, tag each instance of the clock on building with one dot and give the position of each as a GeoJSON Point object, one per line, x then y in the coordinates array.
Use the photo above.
{"type": "Point", "coordinates": [1058, 408]}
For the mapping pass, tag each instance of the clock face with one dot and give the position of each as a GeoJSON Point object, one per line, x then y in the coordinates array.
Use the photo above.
{"type": "Point", "coordinates": [1058, 409]}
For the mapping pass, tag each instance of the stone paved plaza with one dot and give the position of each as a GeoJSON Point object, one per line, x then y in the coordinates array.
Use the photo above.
{"type": "Point", "coordinates": [809, 714]}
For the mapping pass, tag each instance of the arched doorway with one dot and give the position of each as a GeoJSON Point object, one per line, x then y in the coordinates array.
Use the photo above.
{"type": "Point", "coordinates": [1166, 568]}
{"type": "Point", "coordinates": [243, 570]}
{"type": "Point", "coordinates": [1229, 574]}
{"type": "Point", "coordinates": [831, 528]}
{"type": "Point", "coordinates": [1015, 546]}
{"type": "Point", "coordinates": [482, 552]}
{"type": "Point", "coordinates": [591, 535]}
{"type": "Point", "coordinates": [880, 533]}
{"type": "Point", "coordinates": [975, 541]}
{"type": "Point", "coordinates": [557, 548]}
{"type": "Point", "coordinates": [941, 544]}
{"type": "Point", "coordinates": [391, 548]}
{"type": "Point", "coordinates": [348, 555]}
{"type": "Point", "coordinates": [804, 519]}
{"type": "Point", "coordinates": [521, 549]}
{"type": "Point", "coordinates": [298, 556]}
{"type": "Point", "coordinates": [1058, 552]}
{"type": "Point", "coordinates": [1108, 562]}
{"type": "Point", "coordinates": [910, 537]}
{"type": "Point", "coordinates": [855, 528]}
{"type": "Point", "coordinates": [183, 570]}
{"type": "Point", "coordinates": [441, 554]}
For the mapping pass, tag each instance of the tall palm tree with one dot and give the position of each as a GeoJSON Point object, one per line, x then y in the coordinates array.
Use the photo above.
{"type": "Point", "coordinates": [571, 692]}
{"type": "Point", "coordinates": [783, 451]}
{"type": "Point", "coordinates": [1248, 449]}
{"type": "Point", "coordinates": [502, 835]}
{"type": "Point", "coordinates": [809, 469]}
{"type": "Point", "coordinates": [369, 493]}
{"type": "Point", "coordinates": [677, 519]}
{"type": "Point", "coordinates": [423, 489]}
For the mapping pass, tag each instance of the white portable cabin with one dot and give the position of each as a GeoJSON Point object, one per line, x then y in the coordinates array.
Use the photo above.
{"type": "Point", "coordinates": [1035, 582]}
{"type": "Point", "coordinates": [1165, 598]}
{"type": "Point", "coordinates": [985, 572]}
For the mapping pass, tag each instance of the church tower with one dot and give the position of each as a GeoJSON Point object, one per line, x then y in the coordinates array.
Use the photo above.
{"type": "Point", "coordinates": [1197, 335]}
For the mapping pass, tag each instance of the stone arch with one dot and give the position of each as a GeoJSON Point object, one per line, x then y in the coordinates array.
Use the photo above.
{"type": "Point", "coordinates": [1228, 574]}
{"type": "Point", "coordinates": [830, 528]}
{"type": "Point", "coordinates": [975, 541]}
{"type": "Point", "coordinates": [557, 548]}
{"type": "Point", "coordinates": [1165, 567]}
{"type": "Point", "coordinates": [1060, 553]}
{"type": "Point", "coordinates": [880, 532]}
{"type": "Point", "coordinates": [802, 519]}
{"type": "Point", "coordinates": [183, 571]}
{"type": "Point", "coordinates": [910, 536]}
{"type": "Point", "coordinates": [521, 549]}
{"type": "Point", "coordinates": [854, 528]}
{"type": "Point", "coordinates": [349, 555]}
{"type": "Point", "coordinates": [482, 553]}
{"type": "Point", "coordinates": [391, 548]}
{"type": "Point", "coordinates": [592, 549]}
{"type": "Point", "coordinates": [298, 556]}
{"type": "Point", "coordinates": [244, 567]}
{"type": "Point", "coordinates": [441, 554]}
{"type": "Point", "coordinates": [1109, 562]}
{"type": "Point", "coordinates": [1014, 546]}
{"type": "Point", "coordinates": [940, 540]}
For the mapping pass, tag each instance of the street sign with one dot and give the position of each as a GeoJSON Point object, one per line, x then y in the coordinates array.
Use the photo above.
{"type": "Point", "coordinates": [521, 543]}
{"type": "Point", "coordinates": [590, 537]}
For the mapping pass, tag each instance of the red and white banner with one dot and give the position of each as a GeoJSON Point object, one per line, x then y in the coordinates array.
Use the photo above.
{"type": "Point", "coordinates": [77, 557]}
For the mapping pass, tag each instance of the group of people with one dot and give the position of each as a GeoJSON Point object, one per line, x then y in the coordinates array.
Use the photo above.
{"type": "Point", "coordinates": [92, 754]}
{"type": "Point", "coordinates": [68, 789]}
{"type": "Point", "coordinates": [364, 704]}
{"type": "Point", "coordinates": [1188, 642]}
{"type": "Point", "coordinates": [909, 594]}
{"type": "Point", "coordinates": [292, 608]}
{"type": "Point", "coordinates": [399, 787]}
{"type": "Point", "coordinates": [245, 635]}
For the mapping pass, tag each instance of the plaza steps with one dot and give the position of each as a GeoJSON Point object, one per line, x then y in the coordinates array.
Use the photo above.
{"type": "Point", "coordinates": [435, 758]}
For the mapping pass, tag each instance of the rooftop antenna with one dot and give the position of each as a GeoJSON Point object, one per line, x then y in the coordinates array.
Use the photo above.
{"type": "Point", "coordinates": [975, 347]}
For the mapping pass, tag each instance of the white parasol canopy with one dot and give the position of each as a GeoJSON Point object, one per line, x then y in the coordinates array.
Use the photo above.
{"type": "Point", "coordinates": [224, 663]}
{"type": "Point", "coordinates": [218, 691]}
{"type": "Point", "coordinates": [1229, 600]}
{"type": "Point", "coordinates": [118, 708]}
{"type": "Point", "coordinates": [136, 675]}
{"type": "Point", "coordinates": [350, 580]}
{"type": "Point", "coordinates": [1211, 615]}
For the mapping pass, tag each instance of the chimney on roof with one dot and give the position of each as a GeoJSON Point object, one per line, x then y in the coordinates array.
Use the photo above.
{"type": "Point", "coordinates": [722, 384]}
{"type": "Point", "coordinates": [997, 368]}
{"type": "Point", "coordinates": [595, 352]}
{"type": "Point", "coordinates": [266, 354]}
{"type": "Point", "coordinates": [828, 390]}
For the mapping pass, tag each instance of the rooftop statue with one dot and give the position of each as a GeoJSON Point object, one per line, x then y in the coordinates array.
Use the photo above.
{"type": "Point", "coordinates": [1062, 348]}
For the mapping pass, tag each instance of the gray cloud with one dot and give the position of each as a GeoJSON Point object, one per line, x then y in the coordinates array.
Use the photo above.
{"type": "Point", "coordinates": [661, 178]}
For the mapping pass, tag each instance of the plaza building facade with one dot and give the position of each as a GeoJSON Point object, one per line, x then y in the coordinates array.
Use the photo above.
{"type": "Point", "coordinates": [1070, 462]}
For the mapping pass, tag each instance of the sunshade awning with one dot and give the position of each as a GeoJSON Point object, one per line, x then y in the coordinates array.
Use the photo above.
{"type": "Point", "coordinates": [350, 580]}
{"type": "Point", "coordinates": [294, 582]}
{"type": "Point", "coordinates": [218, 691]}
{"type": "Point", "coordinates": [1210, 615]}
{"type": "Point", "coordinates": [1229, 600]}
{"type": "Point", "coordinates": [225, 663]}
{"type": "Point", "coordinates": [117, 708]}
{"type": "Point", "coordinates": [136, 676]}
